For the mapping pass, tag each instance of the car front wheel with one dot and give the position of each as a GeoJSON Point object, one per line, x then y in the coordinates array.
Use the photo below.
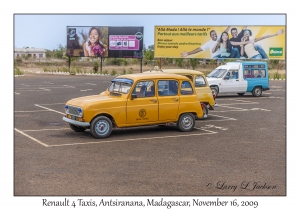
{"type": "Point", "coordinates": [186, 122]}
{"type": "Point", "coordinates": [101, 127]}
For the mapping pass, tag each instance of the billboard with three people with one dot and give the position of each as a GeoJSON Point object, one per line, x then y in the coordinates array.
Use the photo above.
{"type": "Point", "coordinates": [103, 41]}
{"type": "Point", "coordinates": [212, 42]}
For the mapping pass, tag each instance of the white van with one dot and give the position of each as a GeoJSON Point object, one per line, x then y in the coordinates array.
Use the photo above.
{"type": "Point", "coordinates": [240, 77]}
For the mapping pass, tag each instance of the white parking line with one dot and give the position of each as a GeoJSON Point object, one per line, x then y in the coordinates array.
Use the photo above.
{"type": "Point", "coordinates": [31, 138]}
{"type": "Point", "coordinates": [47, 130]}
{"type": "Point", "coordinates": [241, 103]}
{"type": "Point", "coordinates": [137, 139]}
{"type": "Point", "coordinates": [52, 104]}
{"type": "Point", "coordinates": [33, 111]}
{"type": "Point", "coordinates": [49, 109]}
{"type": "Point", "coordinates": [90, 84]}
{"type": "Point", "coordinates": [17, 93]}
{"type": "Point", "coordinates": [233, 107]}
{"type": "Point", "coordinates": [86, 90]}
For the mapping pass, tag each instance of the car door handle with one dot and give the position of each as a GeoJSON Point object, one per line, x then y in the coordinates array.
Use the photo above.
{"type": "Point", "coordinates": [237, 80]}
{"type": "Point", "coordinates": [153, 100]}
{"type": "Point", "coordinates": [175, 99]}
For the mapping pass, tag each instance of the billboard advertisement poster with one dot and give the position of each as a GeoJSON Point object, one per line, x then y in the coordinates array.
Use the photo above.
{"type": "Point", "coordinates": [103, 41]}
{"type": "Point", "coordinates": [212, 42]}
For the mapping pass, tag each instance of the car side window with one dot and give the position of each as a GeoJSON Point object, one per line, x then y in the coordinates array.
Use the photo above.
{"type": "Point", "coordinates": [167, 88]}
{"type": "Point", "coordinates": [200, 82]}
{"type": "Point", "coordinates": [144, 89]}
{"type": "Point", "coordinates": [186, 88]}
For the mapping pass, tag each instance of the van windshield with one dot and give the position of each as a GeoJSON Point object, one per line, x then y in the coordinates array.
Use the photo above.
{"type": "Point", "coordinates": [217, 73]}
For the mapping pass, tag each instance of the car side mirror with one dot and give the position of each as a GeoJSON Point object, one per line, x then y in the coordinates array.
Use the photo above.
{"type": "Point", "coordinates": [133, 96]}
{"type": "Point", "coordinates": [226, 78]}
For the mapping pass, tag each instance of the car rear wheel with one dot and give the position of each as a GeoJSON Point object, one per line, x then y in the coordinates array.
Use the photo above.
{"type": "Point", "coordinates": [101, 127]}
{"type": "Point", "coordinates": [76, 128]}
{"type": "Point", "coordinates": [186, 122]}
{"type": "Point", "coordinates": [256, 92]}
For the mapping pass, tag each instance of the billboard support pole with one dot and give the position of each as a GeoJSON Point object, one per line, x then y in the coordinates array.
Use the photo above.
{"type": "Point", "coordinates": [101, 65]}
{"type": "Point", "coordinates": [141, 65]}
{"type": "Point", "coordinates": [69, 62]}
{"type": "Point", "coordinates": [159, 63]}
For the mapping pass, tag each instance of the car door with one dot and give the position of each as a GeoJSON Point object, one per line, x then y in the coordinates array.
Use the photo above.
{"type": "Point", "coordinates": [230, 82]}
{"type": "Point", "coordinates": [168, 100]}
{"type": "Point", "coordinates": [142, 105]}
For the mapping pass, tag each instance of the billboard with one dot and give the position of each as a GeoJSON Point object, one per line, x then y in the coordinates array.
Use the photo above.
{"type": "Point", "coordinates": [247, 42]}
{"type": "Point", "coordinates": [103, 41]}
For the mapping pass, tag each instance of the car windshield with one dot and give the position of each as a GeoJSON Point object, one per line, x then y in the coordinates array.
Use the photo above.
{"type": "Point", "coordinates": [120, 85]}
{"type": "Point", "coordinates": [218, 73]}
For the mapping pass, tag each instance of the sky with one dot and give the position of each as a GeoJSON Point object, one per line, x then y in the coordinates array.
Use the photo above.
{"type": "Point", "coordinates": [49, 30]}
{"type": "Point", "coordinates": [43, 25]}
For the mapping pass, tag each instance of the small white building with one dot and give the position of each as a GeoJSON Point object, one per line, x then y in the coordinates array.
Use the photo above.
{"type": "Point", "coordinates": [30, 52]}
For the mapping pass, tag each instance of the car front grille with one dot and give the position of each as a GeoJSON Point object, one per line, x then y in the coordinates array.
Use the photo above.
{"type": "Point", "coordinates": [73, 110]}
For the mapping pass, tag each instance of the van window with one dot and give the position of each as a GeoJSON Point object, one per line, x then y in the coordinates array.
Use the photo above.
{"type": "Point", "coordinates": [186, 88]}
{"type": "Point", "coordinates": [167, 88]}
{"type": "Point", "coordinates": [254, 73]}
{"type": "Point", "coordinates": [200, 82]}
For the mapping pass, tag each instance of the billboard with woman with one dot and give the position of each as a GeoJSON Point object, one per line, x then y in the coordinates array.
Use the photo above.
{"type": "Point", "coordinates": [101, 41]}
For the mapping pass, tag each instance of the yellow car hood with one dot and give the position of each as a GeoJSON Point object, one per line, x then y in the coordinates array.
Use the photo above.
{"type": "Point", "coordinates": [90, 100]}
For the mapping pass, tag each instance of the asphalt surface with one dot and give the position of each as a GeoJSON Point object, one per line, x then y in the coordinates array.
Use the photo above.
{"type": "Point", "coordinates": [240, 149]}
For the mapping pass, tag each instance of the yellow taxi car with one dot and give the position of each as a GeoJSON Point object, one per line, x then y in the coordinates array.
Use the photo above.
{"type": "Point", "coordinates": [136, 100]}
{"type": "Point", "coordinates": [205, 95]}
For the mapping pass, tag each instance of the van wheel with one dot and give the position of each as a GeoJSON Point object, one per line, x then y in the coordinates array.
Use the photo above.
{"type": "Point", "coordinates": [186, 122]}
{"type": "Point", "coordinates": [256, 92]}
{"type": "Point", "coordinates": [214, 90]}
{"type": "Point", "coordinates": [101, 127]}
{"type": "Point", "coordinates": [76, 128]}
{"type": "Point", "coordinates": [241, 94]}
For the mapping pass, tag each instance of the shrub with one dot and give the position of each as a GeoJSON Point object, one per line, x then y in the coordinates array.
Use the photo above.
{"type": "Point", "coordinates": [113, 72]}
{"type": "Point", "coordinates": [96, 66]}
{"type": "Point", "coordinates": [276, 75]}
{"type": "Point", "coordinates": [130, 71]}
{"type": "Point", "coordinates": [105, 72]}
{"type": "Point", "coordinates": [17, 71]}
{"type": "Point", "coordinates": [124, 71]}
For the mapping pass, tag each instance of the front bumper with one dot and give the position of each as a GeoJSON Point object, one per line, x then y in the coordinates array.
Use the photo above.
{"type": "Point", "coordinates": [74, 122]}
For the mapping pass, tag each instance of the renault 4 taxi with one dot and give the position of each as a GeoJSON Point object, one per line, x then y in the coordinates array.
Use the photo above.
{"type": "Point", "coordinates": [205, 95]}
{"type": "Point", "coordinates": [136, 100]}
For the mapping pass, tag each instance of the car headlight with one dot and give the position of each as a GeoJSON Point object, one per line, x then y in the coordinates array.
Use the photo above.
{"type": "Point", "coordinates": [67, 109]}
{"type": "Point", "coordinates": [80, 112]}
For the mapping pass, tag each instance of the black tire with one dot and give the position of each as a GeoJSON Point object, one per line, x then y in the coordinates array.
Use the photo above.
{"type": "Point", "coordinates": [214, 90]}
{"type": "Point", "coordinates": [77, 128]}
{"type": "Point", "coordinates": [186, 122]}
{"type": "Point", "coordinates": [241, 94]}
{"type": "Point", "coordinates": [101, 127]}
{"type": "Point", "coordinates": [256, 92]}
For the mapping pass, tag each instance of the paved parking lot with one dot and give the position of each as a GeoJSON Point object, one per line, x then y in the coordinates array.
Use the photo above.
{"type": "Point", "coordinates": [240, 149]}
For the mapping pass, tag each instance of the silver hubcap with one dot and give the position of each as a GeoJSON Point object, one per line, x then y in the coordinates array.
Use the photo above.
{"type": "Point", "coordinates": [257, 91]}
{"type": "Point", "coordinates": [102, 127]}
{"type": "Point", "coordinates": [187, 122]}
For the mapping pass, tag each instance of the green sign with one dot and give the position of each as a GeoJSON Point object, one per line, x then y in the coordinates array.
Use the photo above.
{"type": "Point", "coordinates": [275, 51]}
